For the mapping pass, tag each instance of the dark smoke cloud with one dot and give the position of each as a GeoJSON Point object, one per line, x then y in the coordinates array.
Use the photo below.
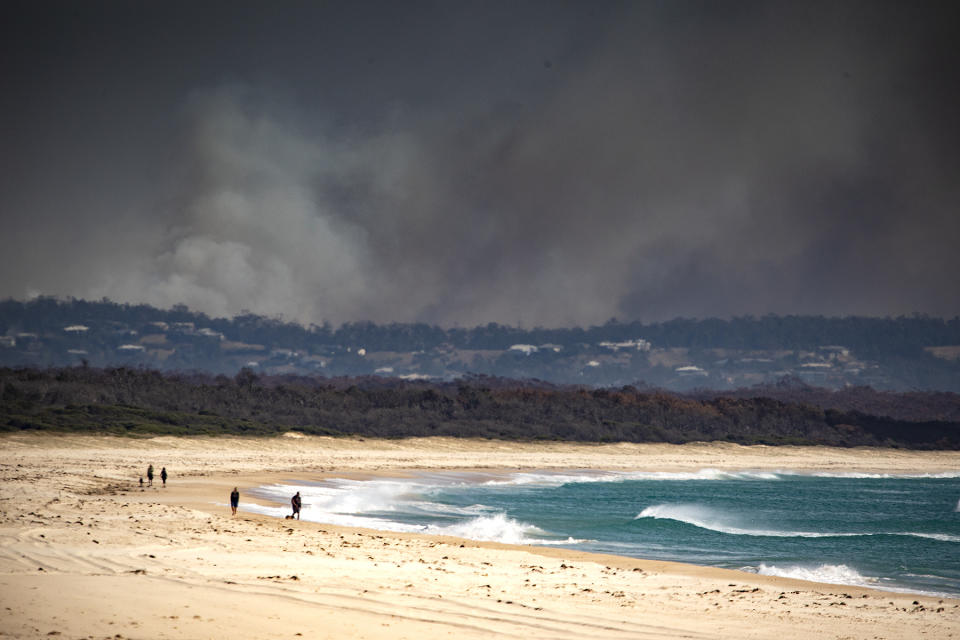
{"type": "Point", "coordinates": [551, 164]}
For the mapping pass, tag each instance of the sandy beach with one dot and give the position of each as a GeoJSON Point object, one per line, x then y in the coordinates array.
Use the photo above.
{"type": "Point", "coordinates": [85, 553]}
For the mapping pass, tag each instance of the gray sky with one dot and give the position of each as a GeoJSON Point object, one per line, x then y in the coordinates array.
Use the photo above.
{"type": "Point", "coordinates": [534, 163]}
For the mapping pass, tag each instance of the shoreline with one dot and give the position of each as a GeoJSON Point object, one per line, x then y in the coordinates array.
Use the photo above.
{"type": "Point", "coordinates": [255, 495]}
{"type": "Point", "coordinates": [264, 499]}
{"type": "Point", "coordinates": [75, 525]}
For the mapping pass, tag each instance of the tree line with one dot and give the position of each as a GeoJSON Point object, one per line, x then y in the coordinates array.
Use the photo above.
{"type": "Point", "coordinates": [141, 402]}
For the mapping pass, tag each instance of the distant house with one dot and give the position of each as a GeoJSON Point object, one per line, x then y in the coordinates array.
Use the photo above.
{"type": "Point", "coordinates": [691, 370]}
{"type": "Point", "coordinates": [815, 371]}
{"type": "Point", "coordinates": [835, 351]}
{"type": "Point", "coordinates": [525, 349]}
{"type": "Point", "coordinates": [637, 344]}
{"type": "Point", "coordinates": [233, 346]}
{"type": "Point", "coordinates": [313, 362]}
{"type": "Point", "coordinates": [76, 328]}
{"type": "Point", "coordinates": [131, 348]}
{"type": "Point", "coordinates": [415, 376]}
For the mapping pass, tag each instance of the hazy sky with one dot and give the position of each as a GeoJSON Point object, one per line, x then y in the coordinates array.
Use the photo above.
{"type": "Point", "coordinates": [534, 163]}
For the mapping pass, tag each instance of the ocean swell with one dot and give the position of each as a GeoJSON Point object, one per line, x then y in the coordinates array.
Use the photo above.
{"type": "Point", "coordinates": [713, 520]}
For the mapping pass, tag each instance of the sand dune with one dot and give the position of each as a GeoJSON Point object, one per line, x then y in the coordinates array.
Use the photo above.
{"type": "Point", "coordinates": [85, 553]}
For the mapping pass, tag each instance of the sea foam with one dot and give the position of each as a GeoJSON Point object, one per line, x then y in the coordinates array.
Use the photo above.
{"type": "Point", "coordinates": [828, 573]}
{"type": "Point", "coordinates": [858, 475]}
{"type": "Point", "coordinates": [677, 521]}
{"type": "Point", "coordinates": [548, 479]}
{"type": "Point", "coordinates": [942, 537]}
{"type": "Point", "coordinates": [554, 479]}
{"type": "Point", "coordinates": [372, 503]}
{"type": "Point", "coordinates": [495, 528]}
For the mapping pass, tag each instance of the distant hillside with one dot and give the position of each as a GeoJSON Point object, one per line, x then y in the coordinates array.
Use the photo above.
{"type": "Point", "coordinates": [907, 353]}
{"type": "Point", "coordinates": [139, 402]}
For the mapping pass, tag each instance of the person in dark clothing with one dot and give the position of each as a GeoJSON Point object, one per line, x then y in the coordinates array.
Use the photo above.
{"type": "Point", "coordinates": [296, 503]}
{"type": "Point", "coordinates": [150, 475]}
{"type": "Point", "coordinates": [163, 476]}
{"type": "Point", "coordinates": [234, 500]}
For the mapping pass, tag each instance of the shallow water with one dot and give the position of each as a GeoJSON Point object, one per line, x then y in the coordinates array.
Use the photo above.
{"type": "Point", "coordinates": [895, 532]}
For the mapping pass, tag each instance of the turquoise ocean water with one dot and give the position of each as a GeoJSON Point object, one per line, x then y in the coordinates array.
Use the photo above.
{"type": "Point", "coordinates": [896, 532]}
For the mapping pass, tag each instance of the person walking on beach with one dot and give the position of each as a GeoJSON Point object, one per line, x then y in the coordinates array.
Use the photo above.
{"type": "Point", "coordinates": [150, 475]}
{"type": "Point", "coordinates": [234, 500]}
{"type": "Point", "coordinates": [163, 476]}
{"type": "Point", "coordinates": [295, 502]}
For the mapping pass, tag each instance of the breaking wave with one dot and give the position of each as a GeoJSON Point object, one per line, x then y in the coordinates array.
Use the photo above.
{"type": "Point", "coordinates": [714, 520]}
{"type": "Point", "coordinates": [827, 573]}
{"type": "Point", "coordinates": [549, 479]}
{"type": "Point", "coordinates": [383, 504]}
{"type": "Point", "coordinates": [495, 528]}
{"type": "Point", "coordinates": [881, 476]}
{"type": "Point", "coordinates": [942, 537]}
{"type": "Point", "coordinates": [546, 479]}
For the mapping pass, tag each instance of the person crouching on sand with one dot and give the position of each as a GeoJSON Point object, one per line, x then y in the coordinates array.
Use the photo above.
{"type": "Point", "coordinates": [234, 500]}
{"type": "Point", "coordinates": [296, 503]}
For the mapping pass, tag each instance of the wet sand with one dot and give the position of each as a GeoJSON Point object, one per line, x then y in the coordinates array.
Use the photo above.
{"type": "Point", "coordinates": [84, 552]}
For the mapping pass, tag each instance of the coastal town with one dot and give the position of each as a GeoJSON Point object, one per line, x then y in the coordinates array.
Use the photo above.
{"type": "Point", "coordinates": [114, 337]}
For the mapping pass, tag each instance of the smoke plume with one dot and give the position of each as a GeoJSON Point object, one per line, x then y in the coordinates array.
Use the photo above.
{"type": "Point", "coordinates": [557, 166]}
